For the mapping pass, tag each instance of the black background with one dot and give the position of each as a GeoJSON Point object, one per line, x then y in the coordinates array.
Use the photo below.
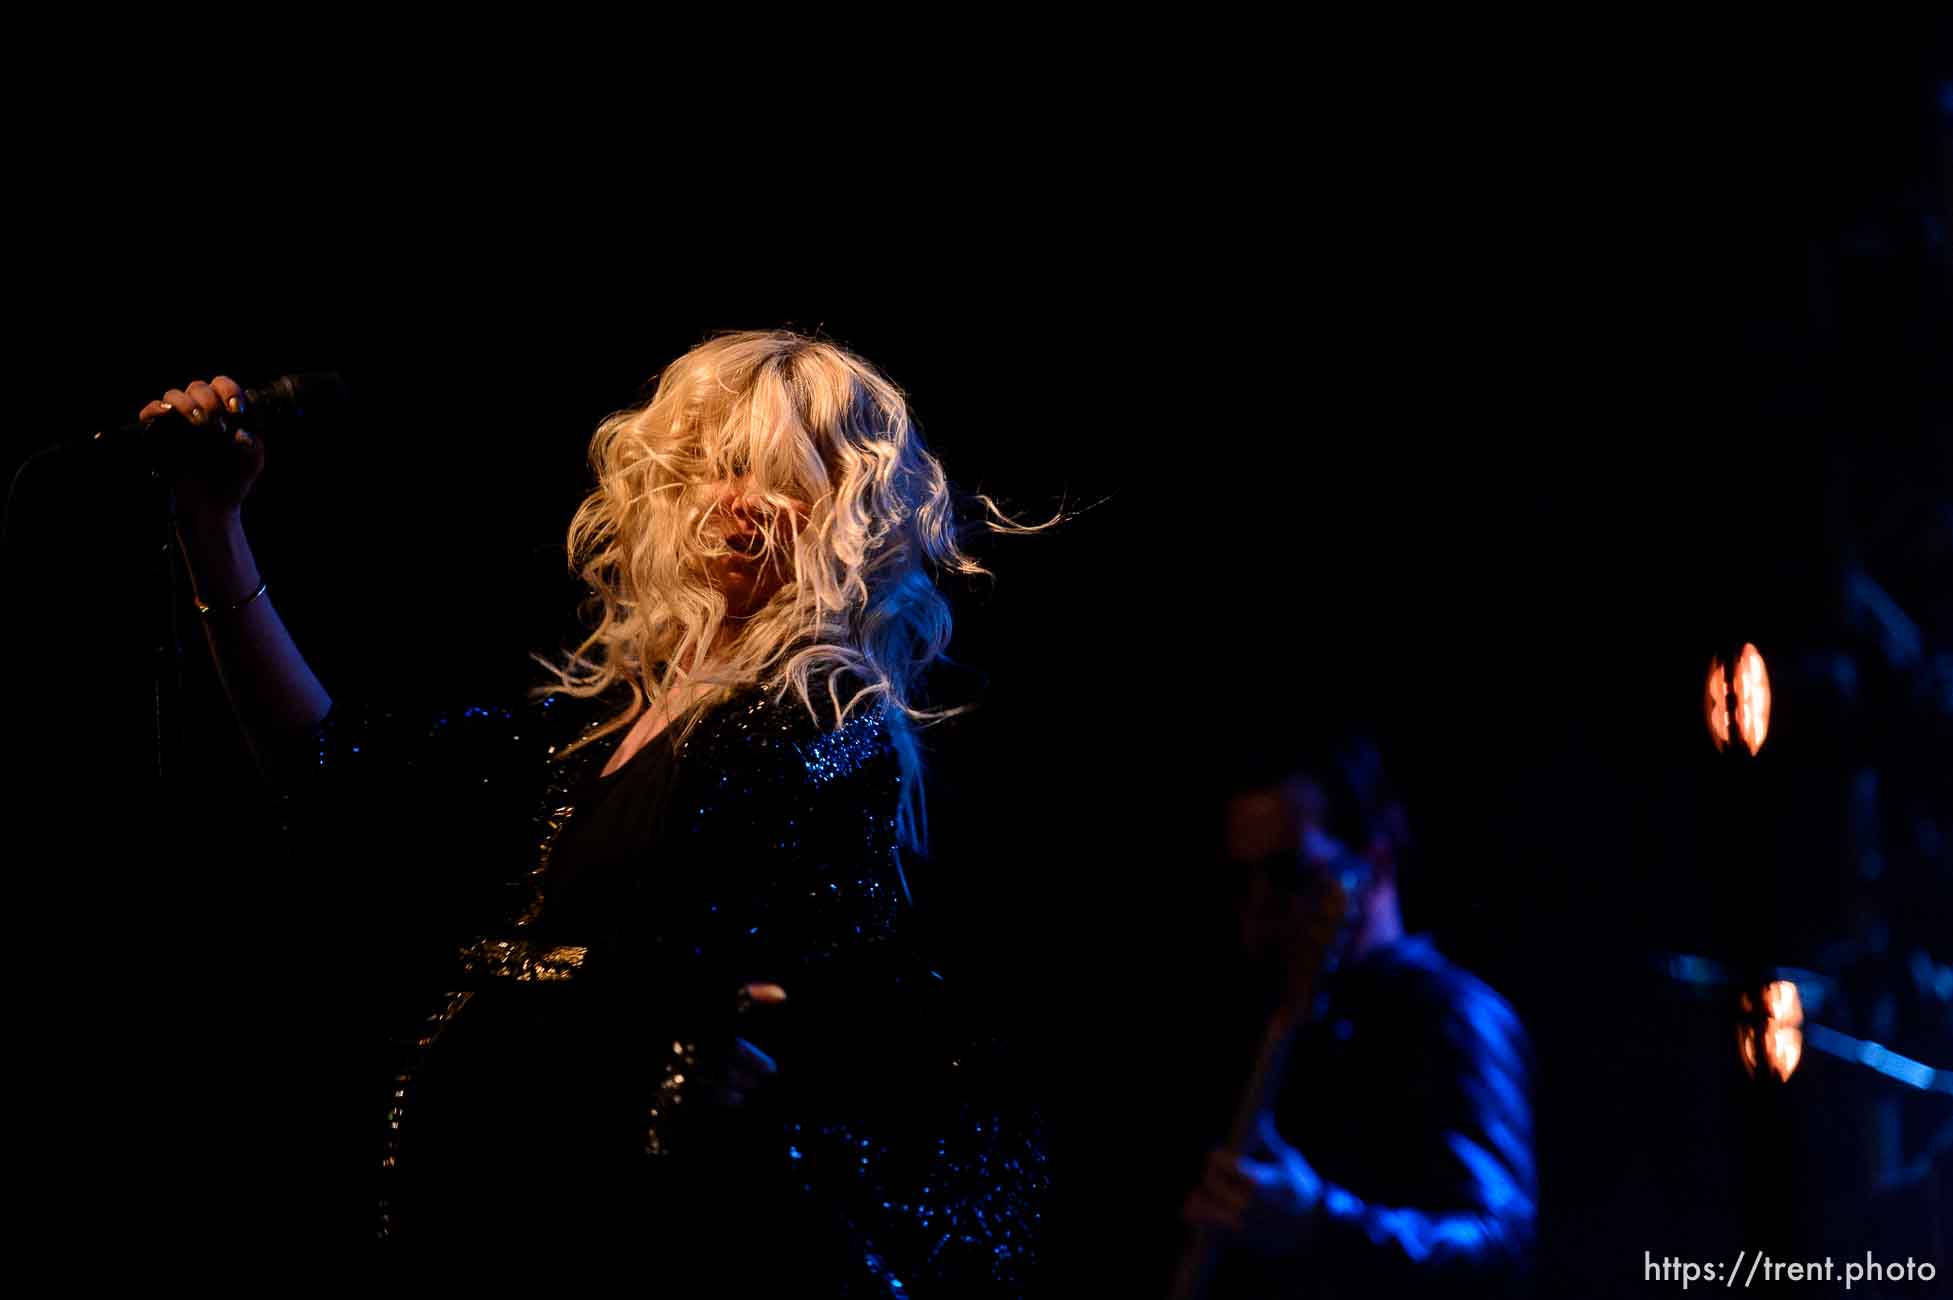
{"type": "Point", "coordinates": [1476, 404]}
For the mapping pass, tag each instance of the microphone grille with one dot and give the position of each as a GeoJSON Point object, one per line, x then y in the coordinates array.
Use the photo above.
{"type": "Point", "coordinates": [299, 396]}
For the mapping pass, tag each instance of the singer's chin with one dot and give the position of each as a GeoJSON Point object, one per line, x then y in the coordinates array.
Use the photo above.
{"type": "Point", "coordinates": [749, 582]}
{"type": "Point", "coordinates": [740, 585]}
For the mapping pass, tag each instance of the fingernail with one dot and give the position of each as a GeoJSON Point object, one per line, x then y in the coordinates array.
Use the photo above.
{"type": "Point", "coordinates": [196, 415]}
{"type": "Point", "coordinates": [234, 405]}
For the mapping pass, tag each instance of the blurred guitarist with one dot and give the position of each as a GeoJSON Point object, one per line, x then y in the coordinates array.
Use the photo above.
{"type": "Point", "coordinates": [1383, 1144]}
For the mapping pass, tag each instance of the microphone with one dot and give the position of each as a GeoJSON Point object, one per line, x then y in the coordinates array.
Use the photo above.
{"type": "Point", "coordinates": [276, 407]}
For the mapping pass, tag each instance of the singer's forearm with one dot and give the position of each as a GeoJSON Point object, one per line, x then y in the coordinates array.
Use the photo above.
{"type": "Point", "coordinates": [272, 689]}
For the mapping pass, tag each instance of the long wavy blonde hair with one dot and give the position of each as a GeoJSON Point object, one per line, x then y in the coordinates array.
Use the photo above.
{"type": "Point", "coordinates": [802, 423]}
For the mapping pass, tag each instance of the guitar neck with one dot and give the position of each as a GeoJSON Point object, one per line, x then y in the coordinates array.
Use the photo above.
{"type": "Point", "coordinates": [1271, 1065]}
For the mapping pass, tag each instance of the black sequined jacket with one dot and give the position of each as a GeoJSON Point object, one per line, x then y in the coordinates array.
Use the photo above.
{"type": "Point", "coordinates": [893, 1109]}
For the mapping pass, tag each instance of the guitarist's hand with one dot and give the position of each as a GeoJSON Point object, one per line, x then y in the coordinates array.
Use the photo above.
{"type": "Point", "coordinates": [1267, 1199]}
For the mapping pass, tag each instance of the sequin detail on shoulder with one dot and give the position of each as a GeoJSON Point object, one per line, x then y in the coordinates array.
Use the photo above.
{"type": "Point", "coordinates": [841, 752]}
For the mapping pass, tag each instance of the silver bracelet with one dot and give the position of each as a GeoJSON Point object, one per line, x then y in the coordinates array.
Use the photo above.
{"type": "Point", "coordinates": [208, 610]}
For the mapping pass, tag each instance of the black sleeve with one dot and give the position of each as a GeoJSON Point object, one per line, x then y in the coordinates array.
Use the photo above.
{"type": "Point", "coordinates": [422, 817]}
{"type": "Point", "coordinates": [1478, 1223]}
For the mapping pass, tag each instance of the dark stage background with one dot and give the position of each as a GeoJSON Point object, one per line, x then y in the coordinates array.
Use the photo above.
{"type": "Point", "coordinates": [1484, 427]}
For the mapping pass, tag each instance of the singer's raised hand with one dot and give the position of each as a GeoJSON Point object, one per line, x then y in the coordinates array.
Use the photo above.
{"type": "Point", "coordinates": [215, 477]}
